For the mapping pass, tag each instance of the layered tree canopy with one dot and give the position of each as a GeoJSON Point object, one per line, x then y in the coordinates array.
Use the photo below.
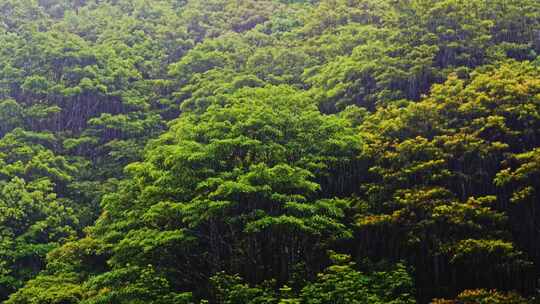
{"type": "Point", "coordinates": [269, 151]}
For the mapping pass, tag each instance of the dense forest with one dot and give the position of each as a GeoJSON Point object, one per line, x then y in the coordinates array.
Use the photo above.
{"type": "Point", "coordinates": [269, 151]}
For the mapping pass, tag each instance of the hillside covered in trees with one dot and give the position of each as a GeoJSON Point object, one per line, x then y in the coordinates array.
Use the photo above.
{"type": "Point", "coordinates": [269, 151]}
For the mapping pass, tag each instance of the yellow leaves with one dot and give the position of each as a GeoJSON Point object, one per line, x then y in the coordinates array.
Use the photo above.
{"type": "Point", "coordinates": [422, 195]}
{"type": "Point", "coordinates": [414, 146]}
{"type": "Point", "coordinates": [471, 216]}
{"type": "Point", "coordinates": [523, 194]}
{"type": "Point", "coordinates": [472, 250]}
{"type": "Point", "coordinates": [375, 220]}
{"type": "Point", "coordinates": [522, 176]}
{"type": "Point", "coordinates": [481, 296]}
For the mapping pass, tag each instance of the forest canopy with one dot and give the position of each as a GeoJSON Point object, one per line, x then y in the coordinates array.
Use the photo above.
{"type": "Point", "coordinates": [269, 151]}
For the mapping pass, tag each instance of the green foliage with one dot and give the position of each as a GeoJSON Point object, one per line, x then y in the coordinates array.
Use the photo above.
{"type": "Point", "coordinates": [150, 148]}
{"type": "Point", "coordinates": [256, 172]}
{"type": "Point", "coordinates": [339, 283]}
{"type": "Point", "coordinates": [33, 218]}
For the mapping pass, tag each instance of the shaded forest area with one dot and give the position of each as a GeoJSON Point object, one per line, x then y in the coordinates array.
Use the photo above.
{"type": "Point", "coordinates": [269, 151]}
